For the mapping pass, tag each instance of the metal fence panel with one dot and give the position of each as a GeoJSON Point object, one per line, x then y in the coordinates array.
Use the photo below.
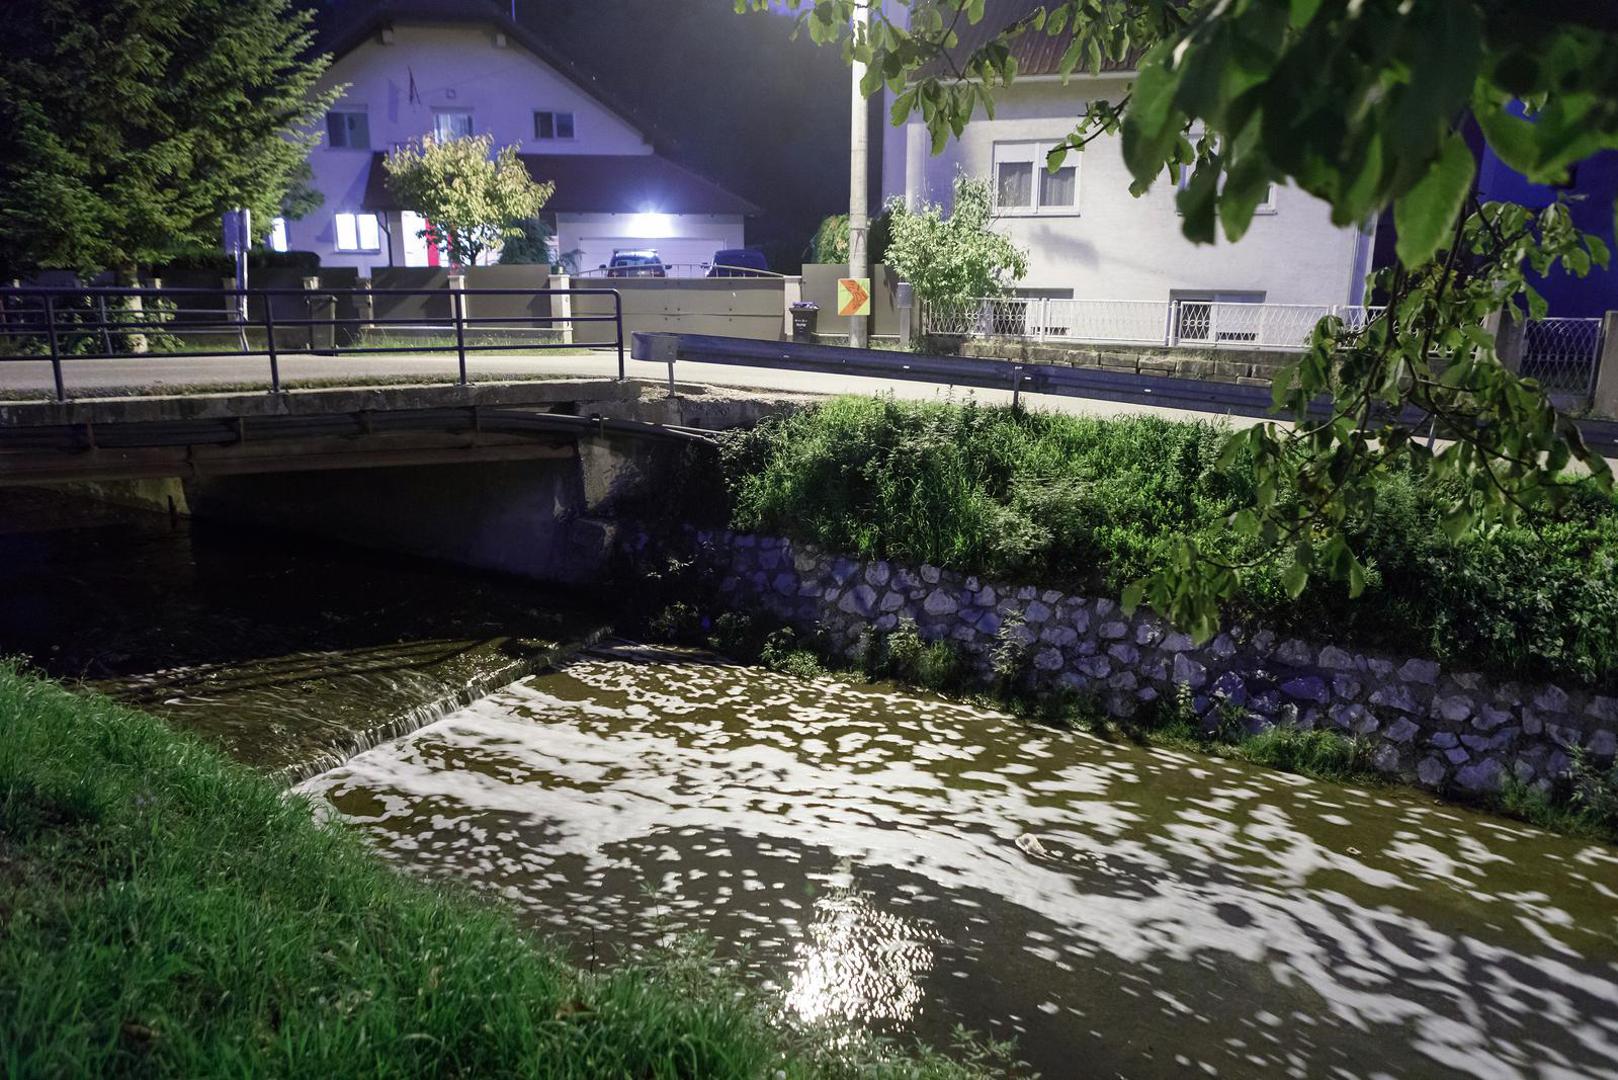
{"type": "Point", "coordinates": [1562, 354]}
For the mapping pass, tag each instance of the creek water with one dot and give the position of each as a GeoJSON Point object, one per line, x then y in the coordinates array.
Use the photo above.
{"type": "Point", "coordinates": [909, 863]}
{"type": "Point", "coordinates": [872, 855]}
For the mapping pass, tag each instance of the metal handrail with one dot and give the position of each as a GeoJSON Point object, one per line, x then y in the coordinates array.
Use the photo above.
{"type": "Point", "coordinates": [43, 315]}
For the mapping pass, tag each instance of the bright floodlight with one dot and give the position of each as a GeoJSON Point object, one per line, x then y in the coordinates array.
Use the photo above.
{"type": "Point", "coordinates": [650, 225]}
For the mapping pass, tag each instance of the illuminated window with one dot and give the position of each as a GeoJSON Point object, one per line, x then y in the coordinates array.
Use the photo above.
{"type": "Point", "coordinates": [553, 125]}
{"type": "Point", "coordinates": [277, 240]}
{"type": "Point", "coordinates": [1022, 183]}
{"type": "Point", "coordinates": [452, 124]}
{"type": "Point", "coordinates": [358, 232]}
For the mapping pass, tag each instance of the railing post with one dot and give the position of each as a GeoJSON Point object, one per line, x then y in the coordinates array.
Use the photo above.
{"type": "Point", "coordinates": [1173, 321]}
{"type": "Point", "coordinates": [269, 345]}
{"type": "Point", "coordinates": [456, 299]}
{"type": "Point", "coordinates": [618, 325]}
{"type": "Point", "coordinates": [904, 306]}
{"type": "Point", "coordinates": [56, 352]}
{"type": "Point", "coordinates": [1604, 399]}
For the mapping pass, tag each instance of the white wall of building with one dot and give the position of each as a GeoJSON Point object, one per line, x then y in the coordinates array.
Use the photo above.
{"type": "Point", "coordinates": [1113, 246]}
{"type": "Point", "coordinates": [678, 238]}
{"type": "Point", "coordinates": [452, 67]}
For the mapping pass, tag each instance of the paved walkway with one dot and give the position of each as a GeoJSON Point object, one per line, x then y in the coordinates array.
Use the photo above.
{"type": "Point", "coordinates": [158, 376]}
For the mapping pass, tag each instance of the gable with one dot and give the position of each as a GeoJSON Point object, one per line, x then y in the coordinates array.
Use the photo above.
{"type": "Point", "coordinates": [402, 76]}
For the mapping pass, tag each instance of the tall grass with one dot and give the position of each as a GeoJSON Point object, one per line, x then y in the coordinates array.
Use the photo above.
{"type": "Point", "coordinates": [1090, 503]}
{"type": "Point", "coordinates": [166, 912]}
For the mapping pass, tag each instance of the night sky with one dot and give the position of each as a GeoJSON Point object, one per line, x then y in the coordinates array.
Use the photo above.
{"type": "Point", "coordinates": [729, 96]}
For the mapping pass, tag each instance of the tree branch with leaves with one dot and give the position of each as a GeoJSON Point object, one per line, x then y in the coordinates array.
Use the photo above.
{"type": "Point", "coordinates": [1369, 105]}
{"type": "Point", "coordinates": [472, 198]}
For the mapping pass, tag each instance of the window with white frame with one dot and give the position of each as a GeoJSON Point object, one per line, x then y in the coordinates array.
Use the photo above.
{"type": "Point", "coordinates": [348, 129]}
{"type": "Point", "coordinates": [452, 124]}
{"type": "Point", "coordinates": [1023, 185]}
{"type": "Point", "coordinates": [553, 125]}
{"type": "Point", "coordinates": [277, 239]}
{"type": "Point", "coordinates": [358, 232]}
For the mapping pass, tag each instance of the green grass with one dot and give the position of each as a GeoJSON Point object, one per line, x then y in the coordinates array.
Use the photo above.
{"type": "Point", "coordinates": [166, 912]}
{"type": "Point", "coordinates": [1094, 504]}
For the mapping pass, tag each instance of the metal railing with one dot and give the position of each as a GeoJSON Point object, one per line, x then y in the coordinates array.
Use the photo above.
{"type": "Point", "coordinates": [677, 270]}
{"type": "Point", "coordinates": [1190, 323]}
{"type": "Point", "coordinates": [1563, 354]}
{"type": "Point", "coordinates": [62, 325]}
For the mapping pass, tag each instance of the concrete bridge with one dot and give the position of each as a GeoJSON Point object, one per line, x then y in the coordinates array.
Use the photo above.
{"type": "Point", "coordinates": [524, 478]}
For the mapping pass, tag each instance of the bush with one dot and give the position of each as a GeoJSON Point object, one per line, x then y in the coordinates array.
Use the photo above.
{"type": "Point", "coordinates": [1091, 504]}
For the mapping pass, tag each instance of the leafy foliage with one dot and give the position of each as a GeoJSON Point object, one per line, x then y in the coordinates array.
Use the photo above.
{"type": "Point", "coordinates": [128, 126]}
{"type": "Point", "coordinates": [1098, 504]}
{"type": "Point", "coordinates": [529, 247]}
{"type": "Point", "coordinates": [1368, 105]}
{"type": "Point", "coordinates": [473, 198]}
{"type": "Point", "coordinates": [949, 259]}
{"type": "Point", "coordinates": [830, 242]}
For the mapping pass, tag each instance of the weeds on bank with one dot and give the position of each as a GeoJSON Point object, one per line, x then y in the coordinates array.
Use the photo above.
{"type": "Point", "coordinates": [169, 912]}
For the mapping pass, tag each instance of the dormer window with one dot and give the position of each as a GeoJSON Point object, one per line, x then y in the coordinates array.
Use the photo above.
{"type": "Point", "coordinates": [348, 129]}
{"type": "Point", "coordinates": [553, 125]}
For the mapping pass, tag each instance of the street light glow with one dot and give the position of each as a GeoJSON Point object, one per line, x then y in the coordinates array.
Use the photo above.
{"type": "Point", "coordinates": [650, 225]}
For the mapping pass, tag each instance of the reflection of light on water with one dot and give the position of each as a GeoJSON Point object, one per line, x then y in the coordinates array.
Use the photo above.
{"type": "Point", "coordinates": [857, 962]}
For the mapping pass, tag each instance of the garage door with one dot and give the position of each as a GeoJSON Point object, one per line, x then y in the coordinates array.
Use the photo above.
{"type": "Point", "coordinates": [681, 251]}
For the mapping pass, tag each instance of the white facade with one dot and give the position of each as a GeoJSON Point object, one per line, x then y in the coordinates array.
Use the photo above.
{"type": "Point", "coordinates": [408, 81]}
{"type": "Point", "coordinates": [1099, 242]}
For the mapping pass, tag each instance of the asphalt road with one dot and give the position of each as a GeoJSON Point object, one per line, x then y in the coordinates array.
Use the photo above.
{"type": "Point", "coordinates": [157, 376]}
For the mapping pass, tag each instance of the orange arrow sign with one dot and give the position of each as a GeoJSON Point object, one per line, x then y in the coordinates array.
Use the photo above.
{"type": "Point", "coordinates": [854, 296]}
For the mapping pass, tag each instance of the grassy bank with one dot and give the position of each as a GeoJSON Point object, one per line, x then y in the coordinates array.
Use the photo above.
{"type": "Point", "coordinates": [164, 911]}
{"type": "Point", "coordinates": [1094, 504]}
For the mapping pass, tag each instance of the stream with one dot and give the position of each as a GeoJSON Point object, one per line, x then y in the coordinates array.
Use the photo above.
{"type": "Point", "coordinates": [869, 854]}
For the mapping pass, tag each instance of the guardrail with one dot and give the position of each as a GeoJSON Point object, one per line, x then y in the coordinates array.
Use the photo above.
{"type": "Point", "coordinates": [1189, 323]}
{"type": "Point", "coordinates": [62, 325]}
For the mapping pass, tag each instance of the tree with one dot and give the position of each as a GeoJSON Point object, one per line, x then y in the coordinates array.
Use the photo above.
{"type": "Point", "coordinates": [950, 260]}
{"type": "Point", "coordinates": [830, 242]}
{"type": "Point", "coordinates": [473, 199]}
{"type": "Point", "coordinates": [1369, 105]}
{"type": "Point", "coordinates": [127, 127]}
{"type": "Point", "coordinates": [531, 247]}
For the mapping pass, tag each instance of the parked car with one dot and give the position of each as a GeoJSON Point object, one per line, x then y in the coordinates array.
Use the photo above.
{"type": "Point", "coordinates": [637, 262]}
{"type": "Point", "coordinates": [738, 262]}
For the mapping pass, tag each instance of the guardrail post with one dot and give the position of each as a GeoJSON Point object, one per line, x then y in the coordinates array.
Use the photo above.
{"type": "Point", "coordinates": [1604, 399]}
{"type": "Point", "coordinates": [56, 352]}
{"type": "Point", "coordinates": [562, 306]}
{"type": "Point", "coordinates": [457, 302]}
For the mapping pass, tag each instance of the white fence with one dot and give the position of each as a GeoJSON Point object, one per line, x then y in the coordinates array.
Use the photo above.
{"type": "Point", "coordinates": [1562, 354]}
{"type": "Point", "coordinates": [1192, 323]}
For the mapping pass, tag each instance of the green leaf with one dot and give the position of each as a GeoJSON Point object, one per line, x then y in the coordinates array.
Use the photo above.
{"type": "Point", "coordinates": [1131, 597]}
{"type": "Point", "coordinates": [1426, 213]}
{"type": "Point", "coordinates": [1294, 578]}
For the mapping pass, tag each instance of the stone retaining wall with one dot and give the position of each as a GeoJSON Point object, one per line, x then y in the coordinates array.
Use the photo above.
{"type": "Point", "coordinates": [1443, 729]}
{"type": "Point", "coordinates": [1248, 367]}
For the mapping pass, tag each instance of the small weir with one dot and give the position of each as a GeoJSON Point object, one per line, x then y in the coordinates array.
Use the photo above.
{"type": "Point", "coordinates": [873, 855]}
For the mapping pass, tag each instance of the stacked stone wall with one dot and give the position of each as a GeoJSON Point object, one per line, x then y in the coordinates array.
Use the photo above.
{"type": "Point", "coordinates": [1441, 728]}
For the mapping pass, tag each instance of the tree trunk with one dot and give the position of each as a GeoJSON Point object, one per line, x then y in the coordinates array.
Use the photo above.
{"type": "Point", "coordinates": [133, 307]}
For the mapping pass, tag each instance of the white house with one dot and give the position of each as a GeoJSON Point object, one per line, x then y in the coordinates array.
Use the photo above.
{"type": "Point", "coordinates": [463, 67]}
{"type": "Point", "coordinates": [1087, 238]}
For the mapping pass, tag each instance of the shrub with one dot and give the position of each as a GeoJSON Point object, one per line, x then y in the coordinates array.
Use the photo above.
{"type": "Point", "coordinates": [1092, 504]}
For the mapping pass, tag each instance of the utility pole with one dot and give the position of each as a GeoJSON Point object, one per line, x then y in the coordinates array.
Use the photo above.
{"type": "Point", "coordinates": [858, 211]}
